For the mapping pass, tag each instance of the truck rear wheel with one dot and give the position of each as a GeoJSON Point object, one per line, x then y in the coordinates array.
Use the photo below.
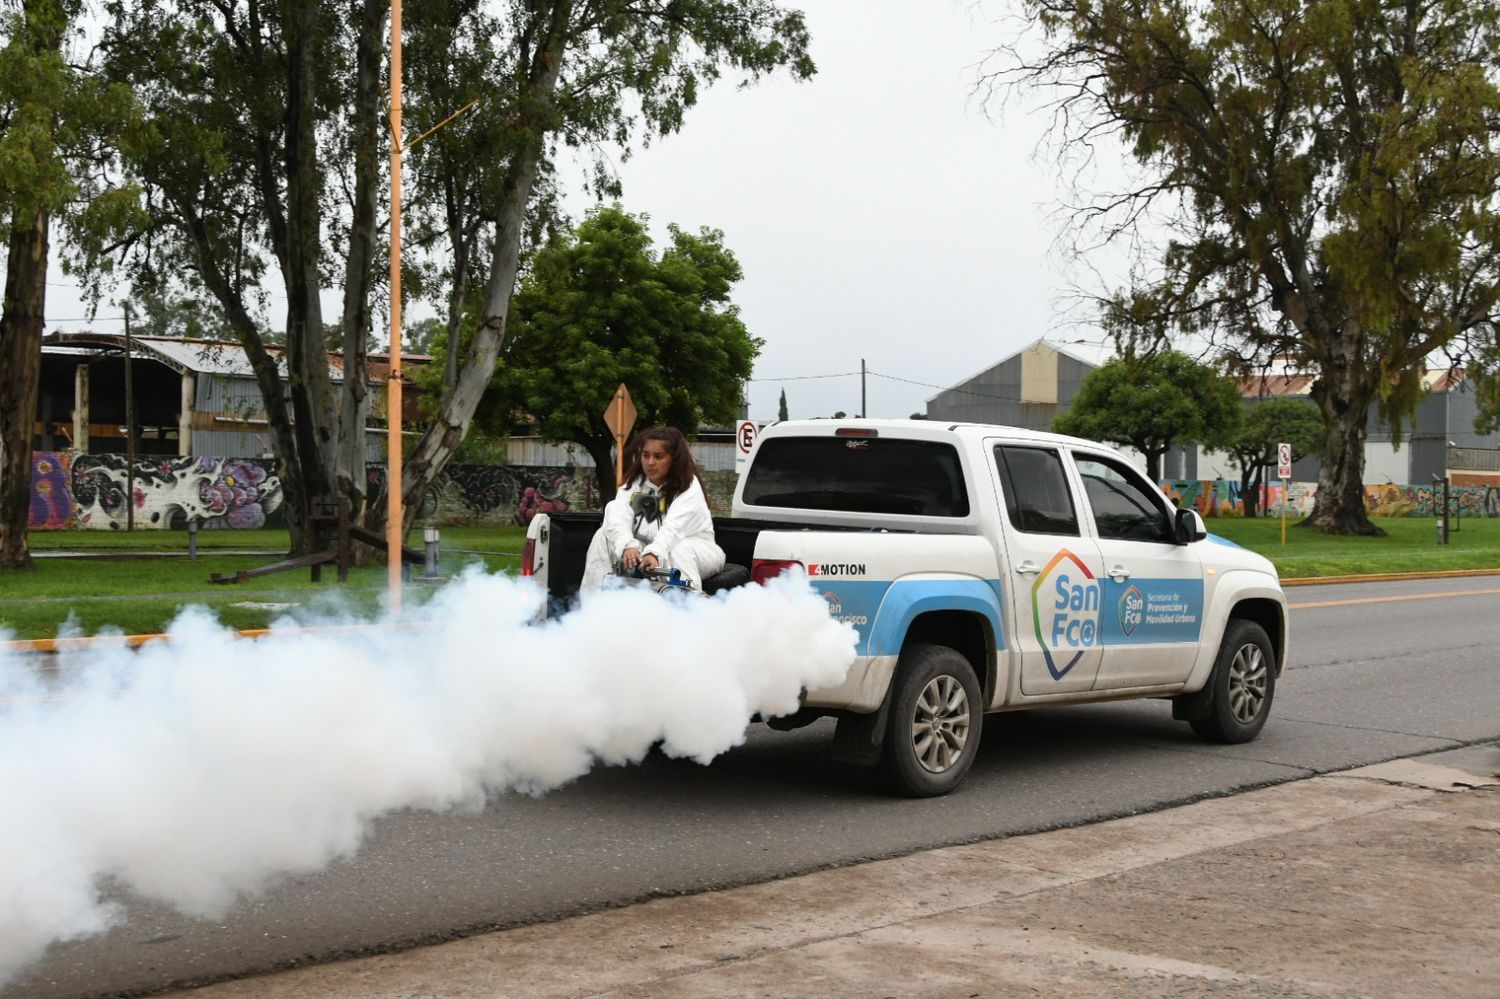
{"type": "Point", "coordinates": [1234, 704]}
{"type": "Point", "coordinates": [935, 720]}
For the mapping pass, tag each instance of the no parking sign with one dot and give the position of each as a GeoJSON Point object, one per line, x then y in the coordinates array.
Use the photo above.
{"type": "Point", "coordinates": [744, 443]}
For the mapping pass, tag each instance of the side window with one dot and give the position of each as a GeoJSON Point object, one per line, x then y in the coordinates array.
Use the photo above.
{"type": "Point", "coordinates": [1126, 506]}
{"type": "Point", "coordinates": [1036, 490]}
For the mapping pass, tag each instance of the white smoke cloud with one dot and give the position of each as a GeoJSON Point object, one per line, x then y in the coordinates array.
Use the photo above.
{"type": "Point", "coordinates": [193, 771]}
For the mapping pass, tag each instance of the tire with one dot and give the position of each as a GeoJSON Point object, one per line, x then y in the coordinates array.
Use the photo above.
{"type": "Point", "coordinates": [1234, 704]}
{"type": "Point", "coordinates": [935, 720]}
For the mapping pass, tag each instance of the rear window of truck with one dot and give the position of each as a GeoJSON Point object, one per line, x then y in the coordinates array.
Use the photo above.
{"type": "Point", "coordinates": [858, 475]}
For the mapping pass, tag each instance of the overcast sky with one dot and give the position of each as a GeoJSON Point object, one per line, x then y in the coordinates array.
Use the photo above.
{"type": "Point", "coordinates": [877, 210]}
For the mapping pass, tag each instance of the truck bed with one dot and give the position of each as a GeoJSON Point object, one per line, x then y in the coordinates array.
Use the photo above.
{"type": "Point", "coordinates": [571, 534]}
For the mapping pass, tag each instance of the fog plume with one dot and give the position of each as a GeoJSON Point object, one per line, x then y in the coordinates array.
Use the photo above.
{"type": "Point", "coordinates": [194, 771]}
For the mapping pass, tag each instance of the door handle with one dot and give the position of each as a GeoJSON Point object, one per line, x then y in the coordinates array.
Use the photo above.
{"type": "Point", "coordinates": [1118, 573]}
{"type": "Point", "coordinates": [1027, 567]}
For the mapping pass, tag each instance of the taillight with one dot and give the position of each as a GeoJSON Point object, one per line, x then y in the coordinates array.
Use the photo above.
{"type": "Point", "coordinates": [763, 570]}
{"type": "Point", "coordinates": [528, 553]}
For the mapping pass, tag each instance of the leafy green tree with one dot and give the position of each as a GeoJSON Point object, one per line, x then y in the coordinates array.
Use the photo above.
{"type": "Point", "coordinates": [600, 307]}
{"type": "Point", "coordinates": [1326, 171]}
{"type": "Point", "coordinates": [1266, 424]}
{"type": "Point", "coordinates": [55, 120]}
{"type": "Point", "coordinates": [585, 74]}
{"type": "Point", "coordinates": [36, 182]}
{"type": "Point", "coordinates": [781, 407]}
{"type": "Point", "coordinates": [1152, 403]}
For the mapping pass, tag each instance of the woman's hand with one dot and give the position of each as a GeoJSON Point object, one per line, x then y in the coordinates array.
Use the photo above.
{"type": "Point", "coordinates": [649, 561]}
{"type": "Point", "coordinates": [631, 559]}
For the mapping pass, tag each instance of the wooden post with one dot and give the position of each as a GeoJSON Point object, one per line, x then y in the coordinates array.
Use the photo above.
{"type": "Point", "coordinates": [393, 532]}
{"type": "Point", "coordinates": [129, 431]}
{"type": "Point", "coordinates": [81, 408]}
{"type": "Point", "coordinates": [619, 417]}
{"type": "Point", "coordinates": [619, 440]}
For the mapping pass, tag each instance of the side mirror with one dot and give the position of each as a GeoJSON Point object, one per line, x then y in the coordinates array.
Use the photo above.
{"type": "Point", "coordinates": [1189, 527]}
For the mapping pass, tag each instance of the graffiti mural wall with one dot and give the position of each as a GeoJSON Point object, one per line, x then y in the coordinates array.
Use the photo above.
{"type": "Point", "coordinates": [89, 491]}
{"type": "Point", "coordinates": [51, 491]}
{"type": "Point", "coordinates": [1221, 498]}
{"type": "Point", "coordinates": [217, 493]}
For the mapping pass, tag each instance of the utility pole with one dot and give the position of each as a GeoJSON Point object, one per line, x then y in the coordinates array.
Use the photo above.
{"type": "Point", "coordinates": [129, 430]}
{"type": "Point", "coordinates": [393, 533]}
{"type": "Point", "coordinates": [862, 410]}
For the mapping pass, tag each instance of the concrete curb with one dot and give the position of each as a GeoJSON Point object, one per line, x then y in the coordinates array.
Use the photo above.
{"type": "Point", "coordinates": [1387, 577]}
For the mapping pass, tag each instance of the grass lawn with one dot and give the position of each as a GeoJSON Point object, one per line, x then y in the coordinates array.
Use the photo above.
{"type": "Point", "coordinates": [140, 595]}
{"type": "Point", "coordinates": [120, 587]}
{"type": "Point", "coordinates": [1409, 545]}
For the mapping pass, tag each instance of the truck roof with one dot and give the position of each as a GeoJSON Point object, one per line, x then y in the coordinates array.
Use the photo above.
{"type": "Point", "coordinates": [923, 428]}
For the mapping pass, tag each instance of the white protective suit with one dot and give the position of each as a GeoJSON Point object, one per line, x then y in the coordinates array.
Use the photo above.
{"type": "Point", "coordinates": [681, 536]}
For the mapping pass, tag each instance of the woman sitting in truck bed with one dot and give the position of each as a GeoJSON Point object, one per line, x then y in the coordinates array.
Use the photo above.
{"type": "Point", "coordinates": [659, 518]}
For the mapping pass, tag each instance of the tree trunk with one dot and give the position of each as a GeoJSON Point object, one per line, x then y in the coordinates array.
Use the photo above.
{"type": "Point", "coordinates": [1153, 465]}
{"type": "Point", "coordinates": [359, 273]}
{"type": "Point", "coordinates": [21, 354]}
{"type": "Point", "coordinates": [450, 423]}
{"type": "Point", "coordinates": [315, 418]}
{"type": "Point", "coordinates": [602, 450]}
{"type": "Point", "coordinates": [1250, 480]}
{"type": "Point", "coordinates": [1343, 393]}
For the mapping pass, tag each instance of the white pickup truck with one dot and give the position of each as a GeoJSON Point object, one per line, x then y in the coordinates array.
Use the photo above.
{"type": "Point", "coordinates": [986, 569]}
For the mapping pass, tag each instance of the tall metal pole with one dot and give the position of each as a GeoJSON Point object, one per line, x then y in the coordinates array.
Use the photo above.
{"type": "Point", "coordinates": [129, 430]}
{"type": "Point", "coordinates": [863, 412]}
{"type": "Point", "coordinates": [393, 533]}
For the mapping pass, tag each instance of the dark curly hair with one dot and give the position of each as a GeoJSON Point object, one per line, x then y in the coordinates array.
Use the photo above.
{"type": "Point", "coordinates": [684, 468]}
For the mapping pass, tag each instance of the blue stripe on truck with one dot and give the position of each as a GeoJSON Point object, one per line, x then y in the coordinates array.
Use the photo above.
{"type": "Point", "coordinates": [882, 611]}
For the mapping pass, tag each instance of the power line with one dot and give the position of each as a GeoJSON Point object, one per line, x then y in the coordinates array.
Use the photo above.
{"type": "Point", "coordinates": [803, 378]}
{"type": "Point", "coordinates": [949, 388]}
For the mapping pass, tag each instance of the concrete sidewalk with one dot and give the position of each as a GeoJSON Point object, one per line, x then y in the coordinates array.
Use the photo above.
{"type": "Point", "coordinates": [1381, 881]}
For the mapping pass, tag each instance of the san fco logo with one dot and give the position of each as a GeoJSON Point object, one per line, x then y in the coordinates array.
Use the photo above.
{"type": "Point", "coordinates": [1132, 609]}
{"type": "Point", "coordinates": [836, 608]}
{"type": "Point", "coordinates": [1065, 612]}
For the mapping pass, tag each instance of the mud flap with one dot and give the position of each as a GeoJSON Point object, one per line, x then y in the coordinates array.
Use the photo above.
{"type": "Point", "coordinates": [1194, 706]}
{"type": "Point", "coordinates": [859, 739]}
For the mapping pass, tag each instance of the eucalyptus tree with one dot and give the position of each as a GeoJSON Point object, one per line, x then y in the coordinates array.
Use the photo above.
{"type": "Point", "coordinates": [551, 76]}
{"type": "Point", "coordinates": [1326, 173]}
{"type": "Point", "coordinates": [259, 154]}
{"type": "Point", "coordinates": [261, 157]}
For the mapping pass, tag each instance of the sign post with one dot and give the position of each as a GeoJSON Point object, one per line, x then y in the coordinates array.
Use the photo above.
{"type": "Point", "coordinates": [619, 417]}
{"type": "Point", "coordinates": [1284, 473]}
{"type": "Point", "coordinates": [744, 443]}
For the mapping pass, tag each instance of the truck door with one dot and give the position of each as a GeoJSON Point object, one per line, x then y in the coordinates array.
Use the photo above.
{"type": "Point", "coordinates": [1152, 613]}
{"type": "Point", "coordinates": [1052, 573]}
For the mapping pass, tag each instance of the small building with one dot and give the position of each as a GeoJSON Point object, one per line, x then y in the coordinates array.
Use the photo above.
{"type": "Point", "coordinates": [1032, 387]}
{"type": "Point", "coordinates": [188, 397]}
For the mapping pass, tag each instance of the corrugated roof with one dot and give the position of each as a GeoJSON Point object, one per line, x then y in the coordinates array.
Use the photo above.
{"type": "Point", "coordinates": [214, 357]}
{"type": "Point", "coordinates": [203, 356]}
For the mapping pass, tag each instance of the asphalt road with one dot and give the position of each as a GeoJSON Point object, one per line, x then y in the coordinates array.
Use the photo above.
{"type": "Point", "coordinates": [1378, 670]}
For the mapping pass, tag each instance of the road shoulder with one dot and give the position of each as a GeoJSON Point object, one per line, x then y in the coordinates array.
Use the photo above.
{"type": "Point", "coordinates": [1338, 885]}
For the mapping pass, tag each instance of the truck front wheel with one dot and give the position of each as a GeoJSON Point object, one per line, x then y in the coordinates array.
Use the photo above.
{"type": "Point", "coordinates": [1234, 704]}
{"type": "Point", "coordinates": [935, 720]}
